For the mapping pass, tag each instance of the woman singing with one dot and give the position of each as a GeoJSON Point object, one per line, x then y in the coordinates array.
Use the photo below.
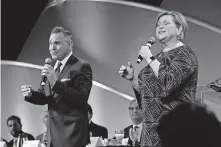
{"type": "Point", "coordinates": [170, 77]}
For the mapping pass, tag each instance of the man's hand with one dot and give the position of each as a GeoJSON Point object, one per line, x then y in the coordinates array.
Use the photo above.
{"type": "Point", "coordinates": [26, 90]}
{"type": "Point", "coordinates": [49, 72]}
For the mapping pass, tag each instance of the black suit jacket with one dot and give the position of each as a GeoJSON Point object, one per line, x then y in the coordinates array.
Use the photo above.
{"type": "Point", "coordinates": [97, 130]}
{"type": "Point", "coordinates": [67, 104]}
{"type": "Point", "coordinates": [41, 137]}
{"type": "Point", "coordinates": [126, 135]}
{"type": "Point", "coordinates": [29, 136]}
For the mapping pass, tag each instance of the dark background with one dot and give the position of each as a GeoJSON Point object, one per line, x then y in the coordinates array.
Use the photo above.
{"type": "Point", "coordinates": [19, 18]}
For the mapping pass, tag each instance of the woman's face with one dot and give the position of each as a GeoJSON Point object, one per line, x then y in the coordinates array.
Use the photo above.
{"type": "Point", "coordinates": [166, 29]}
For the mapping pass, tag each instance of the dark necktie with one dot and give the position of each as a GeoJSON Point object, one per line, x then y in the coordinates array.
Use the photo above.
{"type": "Point", "coordinates": [135, 128]}
{"type": "Point", "coordinates": [58, 70]}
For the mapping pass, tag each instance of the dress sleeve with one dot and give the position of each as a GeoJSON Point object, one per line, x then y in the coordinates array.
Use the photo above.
{"type": "Point", "coordinates": [176, 70]}
{"type": "Point", "coordinates": [138, 97]}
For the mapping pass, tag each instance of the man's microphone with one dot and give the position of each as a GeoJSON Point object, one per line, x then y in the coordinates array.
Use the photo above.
{"type": "Point", "coordinates": [44, 78]}
{"type": "Point", "coordinates": [150, 42]}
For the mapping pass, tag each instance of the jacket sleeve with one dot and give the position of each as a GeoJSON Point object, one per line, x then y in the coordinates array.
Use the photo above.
{"type": "Point", "coordinates": [176, 71]}
{"type": "Point", "coordinates": [38, 97]}
{"type": "Point", "coordinates": [30, 137]}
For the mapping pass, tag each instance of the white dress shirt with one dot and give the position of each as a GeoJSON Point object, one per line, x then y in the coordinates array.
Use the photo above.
{"type": "Point", "coordinates": [15, 140]}
{"type": "Point", "coordinates": [64, 61]}
{"type": "Point", "coordinates": [139, 129]}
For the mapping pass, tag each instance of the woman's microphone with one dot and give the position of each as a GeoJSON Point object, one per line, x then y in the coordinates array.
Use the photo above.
{"type": "Point", "coordinates": [150, 42]}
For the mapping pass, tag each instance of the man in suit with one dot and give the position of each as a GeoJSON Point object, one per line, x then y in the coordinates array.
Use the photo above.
{"type": "Point", "coordinates": [15, 129]}
{"type": "Point", "coordinates": [136, 118]}
{"type": "Point", "coordinates": [43, 137]}
{"type": "Point", "coordinates": [66, 92]}
{"type": "Point", "coordinates": [94, 129]}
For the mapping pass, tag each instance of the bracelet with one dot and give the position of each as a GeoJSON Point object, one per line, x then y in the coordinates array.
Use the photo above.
{"type": "Point", "coordinates": [131, 79]}
{"type": "Point", "coordinates": [151, 59]}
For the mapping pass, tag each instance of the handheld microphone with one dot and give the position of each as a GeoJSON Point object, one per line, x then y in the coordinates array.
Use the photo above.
{"type": "Point", "coordinates": [150, 42]}
{"type": "Point", "coordinates": [44, 78]}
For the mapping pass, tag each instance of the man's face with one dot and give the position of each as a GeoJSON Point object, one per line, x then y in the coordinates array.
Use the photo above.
{"type": "Point", "coordinates": [134, 111]}
{"type": "Point", "coordinates": [59, 47]}
{"type": "Point", "coordinates": [89, 116]}
{"type": "Point", "coordinates": [45, 119]}
{"type": "Point", "coordinates": [14, 128]}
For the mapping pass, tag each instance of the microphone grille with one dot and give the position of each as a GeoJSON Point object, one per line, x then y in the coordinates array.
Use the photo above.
{"type": "Point", "coordinates": [152, 39]}
{"type": "Point", "coordinates": [48, 61]}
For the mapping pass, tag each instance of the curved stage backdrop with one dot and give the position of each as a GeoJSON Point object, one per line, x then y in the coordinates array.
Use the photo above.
{"type": "Point", "coordinates": [107, 34]}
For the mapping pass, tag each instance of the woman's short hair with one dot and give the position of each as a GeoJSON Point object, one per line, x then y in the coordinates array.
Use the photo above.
{"type": "Point", "coordinates": [179, 20]}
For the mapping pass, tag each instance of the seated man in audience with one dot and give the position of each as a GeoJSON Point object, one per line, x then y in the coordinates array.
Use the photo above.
{"type": "Point", "coordinates": [94, 129]}
{"type": "Point", "coordinates": [189, 125]}
{"type": "Point", "coordinates": [43, 137]}
{"type": "Point", "coordinates": [15, 129]}
{"type": "Point", "coordinates": [136, 118]}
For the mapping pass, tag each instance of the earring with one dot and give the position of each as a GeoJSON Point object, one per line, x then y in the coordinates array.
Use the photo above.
{"type": "Point", "coordinates": [179, 36]}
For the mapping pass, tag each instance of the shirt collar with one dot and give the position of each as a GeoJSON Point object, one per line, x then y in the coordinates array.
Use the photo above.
{"type": "Point", "coordinates": [64, 61]}
{"type": "Point", "coordinates": [139, 125]}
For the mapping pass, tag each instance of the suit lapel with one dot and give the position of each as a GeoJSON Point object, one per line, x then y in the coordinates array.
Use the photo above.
{"type": "Point", "coordinates": [92, 125]}
{"type": "Point", "coordinates": [69, 63]}
{"type": "Point", "coordinates": [128, 130]}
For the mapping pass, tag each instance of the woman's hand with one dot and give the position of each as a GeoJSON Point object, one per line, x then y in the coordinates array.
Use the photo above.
{"type": "Point", "coordinates": [127, 72]}
{"type": "Point", "coordinates": [145, 52]}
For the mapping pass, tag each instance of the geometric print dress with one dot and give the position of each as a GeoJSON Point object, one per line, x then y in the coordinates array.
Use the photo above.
{"type": "Point", "coordinates": [176, 84]}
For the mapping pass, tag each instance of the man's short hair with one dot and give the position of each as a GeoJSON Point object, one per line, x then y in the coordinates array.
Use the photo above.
{"type": "Point", "coordinates": [133, 100]}
{"type": "Point", "coordinates": [90, 110]}
{"type": "Point", "coordinates": [189, 125]}
{"type": "Point", "coordinates": [13, 117]}
{"type": "Point", "coordinates": [66, 33]}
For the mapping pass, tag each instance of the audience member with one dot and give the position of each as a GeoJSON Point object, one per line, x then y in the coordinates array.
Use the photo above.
{"type": "Point", "coordinates": [94, 129]}
{"type": "Point", "coordinates": [189, 125]}
{"type": "Point", "coordinates": [136, 118]}
{"type": "Point", "coordinates": [43, 137]}
{"type": "Point", "coordinates": [15, 129]}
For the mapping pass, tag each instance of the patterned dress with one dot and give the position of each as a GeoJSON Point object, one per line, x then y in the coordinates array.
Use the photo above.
{"type": "Point", "coordinates": [175, 84]}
